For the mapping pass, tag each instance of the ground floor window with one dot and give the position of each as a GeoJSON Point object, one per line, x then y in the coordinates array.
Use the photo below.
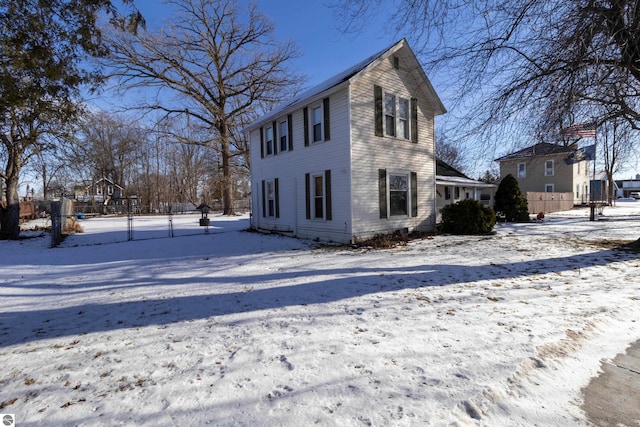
{"type": "Point", "coordinates": [270, 198]}
{"type": "Point", "coordinates": [398, 189]}
{"type": "Point", "coordinates": [318, 195]}
{"type": "Point", "coordinates": [398, 193]}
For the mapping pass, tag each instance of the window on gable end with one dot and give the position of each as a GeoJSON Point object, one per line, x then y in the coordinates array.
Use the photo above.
{"type": "Point", "coordinates": [403, 118]}
{"type": "Point", "coordinates": [522, 170]}
{"type": "Point", "coordinates": [389, 114]}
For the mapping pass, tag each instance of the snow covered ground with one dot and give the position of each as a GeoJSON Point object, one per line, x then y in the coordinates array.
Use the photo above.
{"type": "Point", "coordinates": [237, 328]}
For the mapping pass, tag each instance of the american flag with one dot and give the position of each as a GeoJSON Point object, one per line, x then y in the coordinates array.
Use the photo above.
{"type": "Point", "coordinates": [580, 129]}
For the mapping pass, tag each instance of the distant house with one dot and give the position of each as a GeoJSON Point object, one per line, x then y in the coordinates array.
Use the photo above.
{"type": "Point", "coordinates": [102, 192]}
{"type": "Point", "coordinates": [625, 187]}
{"type": "Point", "coordinates": [453, 186]}
{"type": "Point", "coordinates": [550, 168]}
{"type": "Point", "coordinates": [352, 157]}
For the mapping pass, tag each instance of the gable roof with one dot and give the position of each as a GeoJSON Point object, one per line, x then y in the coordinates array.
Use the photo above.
{"type": "Point", "coordinates": [445, 169]}
{"type": "Point", "coordinates": [448, 175]}
{"type": "Point", "coordinates": [347, 76]}
{"type": "Point", "coordinates": [540, 149]}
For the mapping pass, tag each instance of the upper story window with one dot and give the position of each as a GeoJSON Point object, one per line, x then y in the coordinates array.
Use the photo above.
{"type": "Point", "coordinates": [317, 123]}
{"type": "Point", "coordinates": [395, 116]}
{"type": "Point", "coordinates": [268, 140]}
{"type": "Point", "coordinates": [284, 135]}
{"type": "Point", "coordinates": [522, 170]}
{"type": "Point", "coordinates": [403, 118]}
{"type": "Point", "coordinates": [389, 115]}
{"type": "Point", "coordinates": [549, 168]}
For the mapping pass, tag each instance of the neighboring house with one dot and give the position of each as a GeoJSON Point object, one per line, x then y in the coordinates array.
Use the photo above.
{"type": "Point", "coordinates": [550, 168]}
{"type": "Point", "coordinates": [627, 186]}
{"type": "Point", "coordinates": [352, 157]}
{"type": "Point", "coordinates": [453, 186]}
{"type": "Point", "coordinates": [101, 192]}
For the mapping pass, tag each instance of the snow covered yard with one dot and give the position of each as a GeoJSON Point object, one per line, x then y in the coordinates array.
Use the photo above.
{"type": "Point", "coordinates": [238, 328]}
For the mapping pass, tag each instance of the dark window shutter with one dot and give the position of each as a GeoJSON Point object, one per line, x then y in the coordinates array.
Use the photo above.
{"type": "Point", "coordinates": [377, 93]}
{"type": "Point", "coordinates": [307, 194]}
{"type": "Point", "coordinates": [264, 200]}
{"type": "Point", "coordinates": [277, 196]}
{"type": "Point", "coordinates": [290, 131]}
{"type": "Point", "coordinates": [327, 120]}
{"type": "Point", "coordinates": [262, 143]}
{"type": "Point", "coordinates": [275, 137]}
{"type": "Point", "coordinates": [414, 120]}
{"type": "Point", "coordinates": [414, 194]}
{"type": "Point", "coordinates": [382, 192]}
{"type": "Point", "coordinates": [327, 191]}
{"type": "Point", "coordinates": [305, 115]}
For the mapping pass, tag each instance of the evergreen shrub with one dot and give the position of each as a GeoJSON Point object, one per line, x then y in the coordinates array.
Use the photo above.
{"type": "Point", "coordinates": [468, 217]}
{"type": "Point", "coordinates": [510, 203]}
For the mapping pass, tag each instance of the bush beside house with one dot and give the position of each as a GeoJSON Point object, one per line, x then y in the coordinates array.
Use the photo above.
{"type": "Point", "coordinates": [468, 217]}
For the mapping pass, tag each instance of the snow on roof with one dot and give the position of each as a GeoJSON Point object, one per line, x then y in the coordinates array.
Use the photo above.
{"type": "Point", "coordinates": [321, 87]}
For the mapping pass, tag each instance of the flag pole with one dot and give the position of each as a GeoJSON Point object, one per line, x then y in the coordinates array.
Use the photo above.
{"type": "Point", "coordinates": [592, 215]}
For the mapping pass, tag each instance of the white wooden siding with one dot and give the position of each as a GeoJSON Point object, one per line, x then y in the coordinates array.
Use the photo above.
{"type": "Point", "coordinates": [354, 155]}
{"type": "Point", "coordinates": [370, 153]}
{"type": "Point", "coordinates": [290, 168]}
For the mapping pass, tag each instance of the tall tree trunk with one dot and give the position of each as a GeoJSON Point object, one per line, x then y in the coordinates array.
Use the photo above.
{"type": "Point", "coordinates": [227, 180]}
{"type": "Point", "coordinates": [45, 192]}
{"type": "Point", "coordinates": [10, 218]}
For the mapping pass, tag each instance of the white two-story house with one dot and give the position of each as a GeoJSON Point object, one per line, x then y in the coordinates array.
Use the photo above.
{"type": "Point", "coordinates": [352, 157]}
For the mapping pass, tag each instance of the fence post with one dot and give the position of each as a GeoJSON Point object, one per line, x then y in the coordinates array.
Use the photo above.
{"type": "Point", "coordinates": [56, 223]}
{"type": "Point", "coordinates": [129, 221]}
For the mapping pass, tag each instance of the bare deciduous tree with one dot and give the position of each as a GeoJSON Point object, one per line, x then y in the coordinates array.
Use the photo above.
{"type": "Point", "coordinates": [215, 64]}
{"type": "Point", "coordinates": [538, 62]}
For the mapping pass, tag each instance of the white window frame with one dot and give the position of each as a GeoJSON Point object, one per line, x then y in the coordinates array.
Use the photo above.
{"type": "Point", "coordinates": [315, 197]}
{"type": "Point", "coordinates": [268, 140]}
{"type": "Point", "coordinates": [549, 188]}
{"type": "Point", "coordinates": [320, 123]}
{"type": "Point", "coordinates": [522, 170]}
{"type": "Point", "coordinates": [270, 198]}
{"type": "Point", "coordinates": [401, 125]}
{"type": "Point", "coordinates": [407, 192]}
{"type": "Point", "coordinates": [549, 171]}
{"type": "Point", "coordinates": [283, 127]}
{"type": "Point", "coordinates": [389, 115]}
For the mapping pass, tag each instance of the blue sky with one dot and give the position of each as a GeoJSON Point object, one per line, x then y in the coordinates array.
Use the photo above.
{"type": "Point", "coordinates": [311, 25]}
{"type": "Point", "coordinates": [326, 52]}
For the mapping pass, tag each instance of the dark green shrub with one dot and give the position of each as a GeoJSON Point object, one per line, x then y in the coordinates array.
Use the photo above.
{"type": "Point", "coordinates": [468, 217]}
{"type": "Point", "coordinates": [510, 203]}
